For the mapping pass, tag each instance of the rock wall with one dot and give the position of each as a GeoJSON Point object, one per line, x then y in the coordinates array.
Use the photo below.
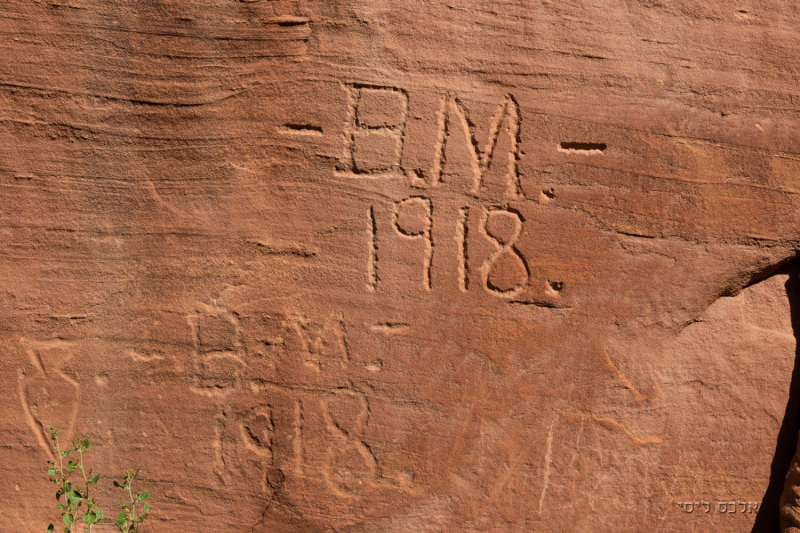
{"type": "Point", "coordinates": [419, 266]}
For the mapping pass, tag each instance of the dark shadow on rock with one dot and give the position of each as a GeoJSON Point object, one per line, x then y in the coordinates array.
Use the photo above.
{"type": "Point", "coordinates": [768, 517]}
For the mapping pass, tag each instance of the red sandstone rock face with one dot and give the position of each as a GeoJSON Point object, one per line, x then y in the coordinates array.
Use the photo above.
{"type": "Point", "coordinates": [403, 266]}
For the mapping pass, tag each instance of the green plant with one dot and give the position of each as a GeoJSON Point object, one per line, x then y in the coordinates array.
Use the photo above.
{"type": "Point", "coordinates": [126, 520]}
{"type": "Point", "coordinates": [76, 497]}
{"type": "Point", "coordinates": [77, 504]}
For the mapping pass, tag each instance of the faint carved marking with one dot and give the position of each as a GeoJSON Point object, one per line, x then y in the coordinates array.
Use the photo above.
{"type": "Point", "coordinates": [350, 464]}
{"type": "Point", "coordinates": [612, 424]}
{"type": "Point", "coordinates": [283, 248]}
{"type": "Point", "coordinates": [390, 327]}
{"type": "Point", "coordinates": [504, 234]}
{"type": "Point", "coordinates": [39, 388]}
{"type": "Point", "coordinates": [144, 358]}
{"type": "Point", "coordinates": [322, 344]}
{"type": "Point", "coordinates": [413, 218]}
{"type": "Point", "coordinates": [297, 442]}
{"type": "Point", "coordinates": [548, 457]}
{"type": "Point", "coordinates": [218, 349]}
{"type": "Point", "coordinates": [219, 429]}
{"type": "Point", "coordinates": [256, 431]}
{"type": "Point", "coordinates": [638, 396]}
{"type": "Point", "coordinates": [275, 433]}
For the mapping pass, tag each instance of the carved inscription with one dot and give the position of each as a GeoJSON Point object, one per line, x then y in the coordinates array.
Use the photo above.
{"type": "Point", "coordinates": [218, 349]}
{"type": "Point", "coordinates": [350, 465]}
{"type": "Point", "coordinates": [374, 131]}
{"type": "Point", "coordinates": [413, 219]}
{"type": "Point", "coordinates": [482, 161]}
{"type": "Point", "coordinates": [323, 345]}
{"type": "Point", "coordinates": [505, 272]}
{"type": "Point", "coordinates": [375, 134]}
{"type": "Point", "coordinates": [722, 507]}
{"type": "Point", "coordinates": [312, 428]}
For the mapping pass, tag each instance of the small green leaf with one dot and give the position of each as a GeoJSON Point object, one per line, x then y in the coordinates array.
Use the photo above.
{"type": "Point", "coordinates": [117, 484]}
{"type": "Point", "coordinates": [94, 479]}
{"type": "Point", "coordinates": [65, 453]}
{"type": "Point", "coordinates": [69, 519]}
{"type": "Point", "coordinates": [71, 466]}
{"type": "Point", "coordinates": [146, 508]}
{"type": "Point", "coordinates": [85, 444]}
{"type": "Point", "coordinates": [121, 519]}
{"type": "Point", "coordinates": [51, 528]}
{"type": "Point", "coordinates": [51, 472]}
{"type": "Point", "coordinates": [142, 496]}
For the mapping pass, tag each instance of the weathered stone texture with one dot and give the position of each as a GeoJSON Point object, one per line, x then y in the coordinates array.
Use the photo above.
{"type": "Point", "coordinates": [383, 266]}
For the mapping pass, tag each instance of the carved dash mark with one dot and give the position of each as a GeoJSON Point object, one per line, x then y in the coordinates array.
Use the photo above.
{"type": "Point", "coordinates": [585, 148]}
{"type": "Point", "coordinates": [390, 327]}
{"type": "Point", "coordinates": [301, 129]}
{"type": "Point", "coordinates": [372, 260]}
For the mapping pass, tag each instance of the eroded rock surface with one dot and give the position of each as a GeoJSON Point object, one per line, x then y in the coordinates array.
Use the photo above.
{"type": "Point", "coordinates": [403, 266]}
